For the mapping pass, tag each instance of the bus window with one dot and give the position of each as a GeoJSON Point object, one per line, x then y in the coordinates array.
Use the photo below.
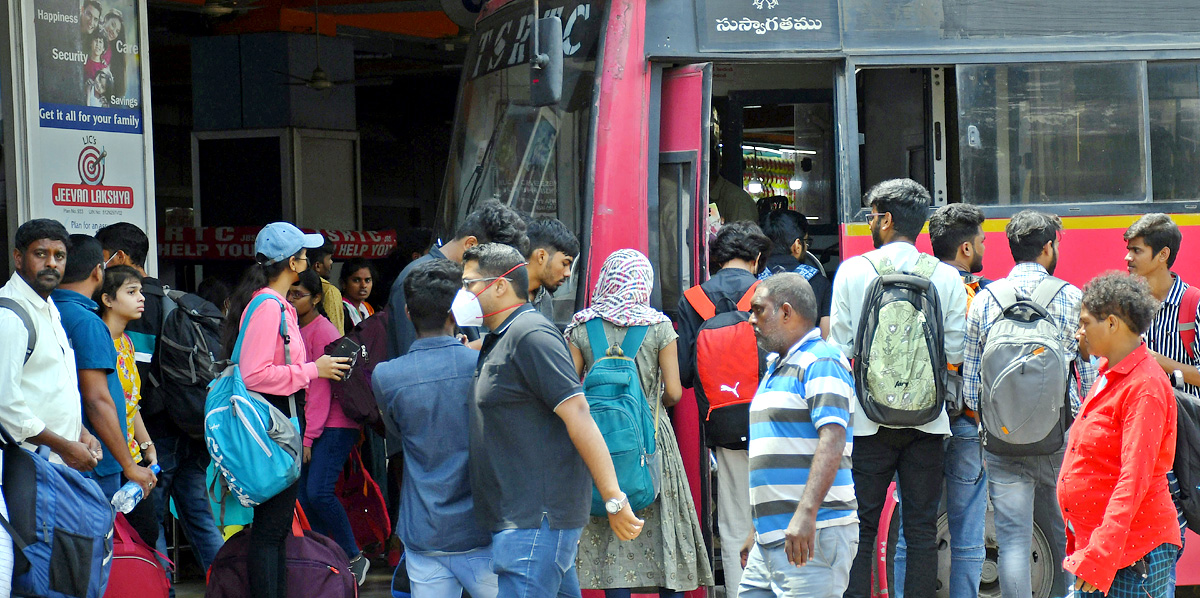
{"type": "Point", "coordinates": [1051, 133]}
{"type": "Point", "coordinates": [905, 133]}
{"type": "Point", "coordinates": [1174, 129]}
{"type": "Point", "coordinates": [892, 120]}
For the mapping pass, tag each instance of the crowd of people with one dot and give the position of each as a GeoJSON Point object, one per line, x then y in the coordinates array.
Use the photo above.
{"type": "Point", "coordinates": [815, 395]}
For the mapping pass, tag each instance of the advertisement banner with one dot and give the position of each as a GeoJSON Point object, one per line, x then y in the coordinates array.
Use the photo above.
{"type": "Point", "coordinates": [237, 242]}
{"type": "Point", "coordinates": [86, 101]}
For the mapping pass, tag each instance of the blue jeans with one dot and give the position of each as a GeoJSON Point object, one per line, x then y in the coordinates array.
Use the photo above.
{"type": "Point", "coordinates": [440, 575]}
{"type": "Point", "coordinates": [317, 480]}
{"type": "Point", "coordinates": [966, 512]}
{"type": "Point", "coordinates": [183, 461]}
{"type": "Point", "coordinates": [536, 563]}
{"type": "Point", "coordinates": [1013, 483]}
{"type": "Point", "coordinates": [825, 575]}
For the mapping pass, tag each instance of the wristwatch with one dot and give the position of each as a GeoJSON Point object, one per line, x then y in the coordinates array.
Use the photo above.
{"type": "Point", "coordinates": [146, 445]}
{"type": "Point", "coordinates": [616, 503]}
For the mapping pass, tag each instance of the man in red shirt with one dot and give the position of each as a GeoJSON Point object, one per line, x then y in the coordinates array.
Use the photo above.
{"type": "Point", "coordinates": [1122, 531]}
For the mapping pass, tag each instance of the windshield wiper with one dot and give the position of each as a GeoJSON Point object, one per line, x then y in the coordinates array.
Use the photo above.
{"type": "Point", "coordinates": [475, 182]}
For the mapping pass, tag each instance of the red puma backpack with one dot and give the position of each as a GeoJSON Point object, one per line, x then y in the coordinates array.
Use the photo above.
{"type": "Point", "coordinates": [728, 365]}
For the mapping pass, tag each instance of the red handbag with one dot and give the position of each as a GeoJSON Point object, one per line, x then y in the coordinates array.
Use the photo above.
{"type": "Point", "coordinates": [364, 503]}
{"type": "Point", "coordinates": [135, 569]}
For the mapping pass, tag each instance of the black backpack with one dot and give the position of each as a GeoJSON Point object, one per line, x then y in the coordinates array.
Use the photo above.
{"type": "Point", "coordinates": [187, 357]}
{"type": "Point", "coordinates": [1187, 456]}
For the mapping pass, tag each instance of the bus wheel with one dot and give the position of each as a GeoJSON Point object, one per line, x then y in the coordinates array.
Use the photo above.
{"type": "Point", "coordinates": [1043, 559]}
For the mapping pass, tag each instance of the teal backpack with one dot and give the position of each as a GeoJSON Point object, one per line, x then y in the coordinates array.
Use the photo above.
{"type": "Point", "coordinates": [254, 446]}
{"type": "Point", "coordinates": [614, 395]}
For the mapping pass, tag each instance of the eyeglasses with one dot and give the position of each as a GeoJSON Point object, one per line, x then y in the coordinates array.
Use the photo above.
{"type": "Point", "coordinates": [871, 216]}
{"type": "Point", "coordinates": [297, 295]}
{"type": "Point", "coordinates": [467, 282]}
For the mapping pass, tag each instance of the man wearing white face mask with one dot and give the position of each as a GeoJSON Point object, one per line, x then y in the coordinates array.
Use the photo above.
{"type": "Point", "coordinates": [533, 440]}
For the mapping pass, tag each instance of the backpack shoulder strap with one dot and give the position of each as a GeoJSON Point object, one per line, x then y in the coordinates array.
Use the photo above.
{"type": "Point", "coordinates": [12, 305]}
{"type": "Point", "coordinates": [1047, 290]}
{"type": "Point", "coordinates": [700, 302]}
{"type": "Point", "coordinates": [743, 304]}
{"type": "Point", "coordinates": [634, 337]}
{"type": "Point", "coordinates": [883, 264]}
{"type": "Point", "coordinates": [926, 265]}
{"type": "Point", "coordinates": [1004, 292]}
{"type": "Point", "coordinates": [1187, 318]}
{"type": "Point", "coordinates": [254, 303]}
{"type": "Point", "coordinates": [596, 338]}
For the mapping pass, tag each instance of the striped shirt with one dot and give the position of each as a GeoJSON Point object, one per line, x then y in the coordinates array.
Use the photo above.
{"type": "Point", "coordinates": [1064, 312]}
{"type": "Point", "coordinates": [1163, 335]}
{"type": "Point", "coordinates": [805, 390]}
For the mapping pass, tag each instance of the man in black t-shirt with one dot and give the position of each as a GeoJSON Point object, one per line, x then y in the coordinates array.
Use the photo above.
{"type": "Point", "coordinates": [531, 433]}
{"type": "Point", "coordinates": [183, 459]}
{"type": "Point", "coordinates": [788, 231]}
{"type": "Point", "coordinates": [736, 255]}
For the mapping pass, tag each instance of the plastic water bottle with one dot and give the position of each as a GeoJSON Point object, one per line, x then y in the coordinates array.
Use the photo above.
{"type": "Point", "coordinates": [130, 494]}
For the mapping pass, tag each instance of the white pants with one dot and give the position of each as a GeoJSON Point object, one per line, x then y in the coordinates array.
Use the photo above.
{"type": "Point", "coordinates": [733, 512]}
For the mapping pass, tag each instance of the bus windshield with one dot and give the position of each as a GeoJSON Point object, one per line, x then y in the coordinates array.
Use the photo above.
{"type": "Point", "coordinates": [532, 159]}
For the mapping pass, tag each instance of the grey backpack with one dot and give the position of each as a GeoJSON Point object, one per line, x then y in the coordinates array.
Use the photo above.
{"type": "Point", "coordinates": [899, 353]}
{"type": "Point", "coordinates": [1023, 401]}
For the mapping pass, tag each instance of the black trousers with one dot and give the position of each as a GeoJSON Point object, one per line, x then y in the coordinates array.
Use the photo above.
{"type": "Point", "coordinates": [267, 562]}
{"type": "Point", "coordinates": [917, 458]}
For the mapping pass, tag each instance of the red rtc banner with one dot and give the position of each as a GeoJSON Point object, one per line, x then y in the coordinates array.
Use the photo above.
{"type": "Point", "coordinates": [237, 242]}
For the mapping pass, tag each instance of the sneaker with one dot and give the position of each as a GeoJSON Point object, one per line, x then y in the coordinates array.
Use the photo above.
{"type": "Point", "coordinates": [359, 566]}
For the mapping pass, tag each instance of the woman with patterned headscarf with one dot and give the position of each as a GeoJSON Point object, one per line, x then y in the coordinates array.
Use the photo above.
{"type": "Point", "coordinates": [669, 555]}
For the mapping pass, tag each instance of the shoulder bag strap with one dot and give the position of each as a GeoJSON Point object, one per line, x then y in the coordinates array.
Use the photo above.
{"type": "Point", "coordinates": [744, 303]}
{"type": "Point", "coordinates": [1046, 290]}
{"type": "Point", "coordinates": [700, 302]}
{"type": "Point", "coordinates": [881, 263]}
{"type": "Point", "coordinates": [1187, 318]}
{"type": "Point", "coordinates": [597, 339]}
{"type": "Point", "coordinates": [1004, 292]}
{"type": "Point", "coordinates": [253, 305]}
{"type": "Point", "coordinates": [16, 308]}
{"type": "Point", "coordinates": [926, 265]}
{"type": "Point", "coordinates": [634, 337]}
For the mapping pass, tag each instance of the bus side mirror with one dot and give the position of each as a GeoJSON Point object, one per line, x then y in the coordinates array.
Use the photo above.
{"type": "Point", "coordinates": [546, 68]}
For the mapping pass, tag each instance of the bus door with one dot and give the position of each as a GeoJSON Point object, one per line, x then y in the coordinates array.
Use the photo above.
{"type": "Point", "coordinates": [681, 107]}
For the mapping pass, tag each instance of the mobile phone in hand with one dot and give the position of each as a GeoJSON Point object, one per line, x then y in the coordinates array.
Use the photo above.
{"type": "Point", "coordinates": [347, 347]}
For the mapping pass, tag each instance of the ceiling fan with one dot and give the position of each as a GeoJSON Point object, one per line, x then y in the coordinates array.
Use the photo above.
{"type": "Point", "coordinates": [319, 80]}
{"type": "Point", "coordinates": [210, 8]}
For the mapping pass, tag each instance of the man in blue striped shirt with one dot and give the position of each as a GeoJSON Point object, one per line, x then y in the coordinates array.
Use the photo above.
{"type": "Point", "coordinates": [801, 486]}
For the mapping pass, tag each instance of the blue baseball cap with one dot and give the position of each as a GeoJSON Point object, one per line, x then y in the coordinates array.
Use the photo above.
{"type": "Point", "coordinates": [280, 240]}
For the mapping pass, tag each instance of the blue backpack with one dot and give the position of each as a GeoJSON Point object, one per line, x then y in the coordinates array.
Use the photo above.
{"type": "Point", "coordinates": [614, 395]}
{"type": "Point", "coordinates": [61, 526]}
{"type": "Point", "coordinates": [254, 445]}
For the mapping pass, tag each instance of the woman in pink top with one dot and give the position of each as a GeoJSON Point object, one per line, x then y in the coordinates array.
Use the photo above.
{"type": "Point", "coordinates": [329, 435]}
{"type": "Point", "coordinates": [280, 259]}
